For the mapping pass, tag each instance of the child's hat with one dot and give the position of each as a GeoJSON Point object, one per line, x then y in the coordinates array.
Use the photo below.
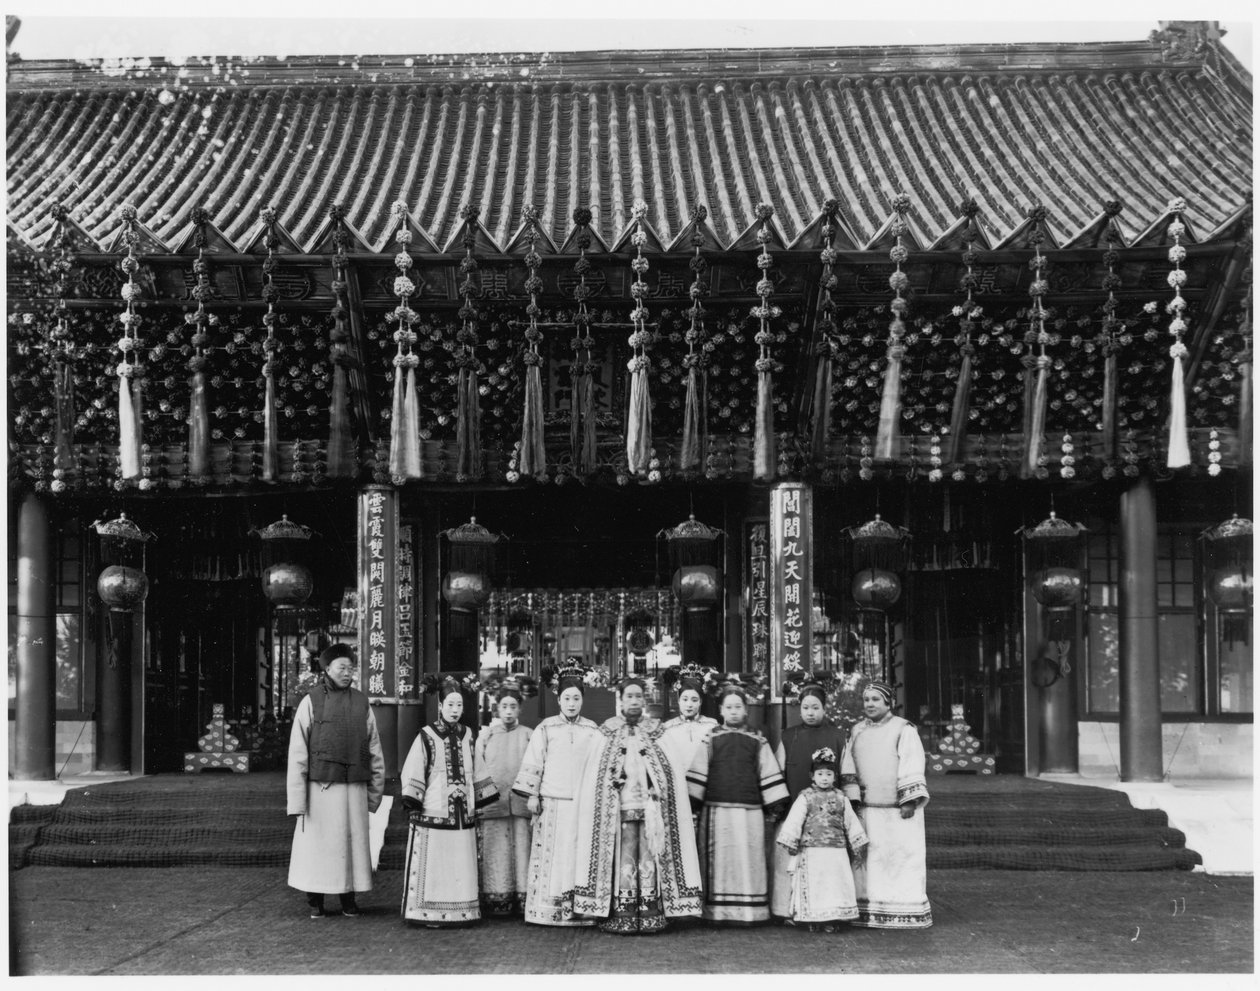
{"type": "Point", "coordinates": [823, 758]}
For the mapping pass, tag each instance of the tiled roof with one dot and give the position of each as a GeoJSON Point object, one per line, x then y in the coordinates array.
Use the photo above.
{"type": "Point", "coordinates": [1069, 133]}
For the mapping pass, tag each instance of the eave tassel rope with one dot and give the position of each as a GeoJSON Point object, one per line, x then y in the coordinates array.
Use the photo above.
{"type": "Point", "coordinates": [764, 456]}
{"type": "Point", "coordinates": [639, 424]}
{"type": "Point", "coordinates": [468, 395]}
{"type": "Point", "coordinates": [198, 415]}
{"type": "Point", "coordinates": [1244, 387]}
{"type": "Point", "coordinates": [828, 348]}
{"type": "Point", "coordinates": [533, 456]}
{"type": "Point", "coordinates": [62, 349]}
{"type": "Point", "coordinates": [890, 402]}
{"type": "Point", "coordinates": [1178, 439]}
{"type": "Point", "coordinates": [341, 448]}
{"type": "Point", "coordinates": [1110, 335]}
{"type": "Point", "coordinates": [582, 451]}
{"type": "Point", "coordinates": [695, 408]}
{"type": "Point", "coordinates": [271, 428]}
{"type": "Point", "coordinates": [130, 399]}
{"type": "Point", "coordinates": [404, 437]}
{"type": "Point", "coordinates": [1035, 406]}
{"type": "Point", "coordinates": [967, 313]}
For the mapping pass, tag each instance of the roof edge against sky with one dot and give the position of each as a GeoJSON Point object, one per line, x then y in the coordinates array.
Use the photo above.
{"type": "Point", "coordinates": [599, 66]}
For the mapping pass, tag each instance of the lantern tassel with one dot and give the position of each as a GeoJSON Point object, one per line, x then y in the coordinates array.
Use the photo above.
{"type": "Point", "coordinates": [63, 394]}
{"type": "Point", "coordinates": [1109, 404]}
{"type": "Point", "coordinates": [1244, 413]}
{"type": "Point", "coordinates": [533, 459]}
{"type": "Point", "coordinates": [763, 434]}
{"type": "Point", "coordinates": [956, 442]}
{"type": "Point", "coordinates": [198, 428]}
{"type": "Point", "coordinates": [271, 433]}
{"type": "Point", "coordinates": [1178, 441]}
{"type": "Point", "coordinates": [639, 430]}
{"type": "Point", "coordinates": [340, 444]}
{"type": "Point", "coordinates": [692, 453]}
{"type": "Point", "coordinates": [575, 412]}
{"type": "Point", "coordinates": [468, 425]}
{"type": "Point", "coordinates": [411, 428]}
{"type": "Point", "coordinates": [397, 441]}
{"type": "Point", "coordinates": [128, 431]}
{"type": "Point", "coordinates": [1034, 439]}
{"type": "Point", "coordinates": [587, 463]}
{"type": "Point", "coordinates": [890, 405]}
{"type": "Point", "coordinates": [822, 409]}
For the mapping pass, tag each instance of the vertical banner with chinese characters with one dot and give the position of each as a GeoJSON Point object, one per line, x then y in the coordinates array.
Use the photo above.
{"type": "Point", "coordinates": [757, 583]}
{"type": "Point", "coordinates": [404, 666]}
{"type": "Point", "coordinates": [791, 582]}
{"type": "Point", "coordinates": [378, 578]}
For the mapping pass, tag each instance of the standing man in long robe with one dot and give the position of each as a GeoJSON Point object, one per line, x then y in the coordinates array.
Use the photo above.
{"type": "Point", "coordinates": [636, 864]}
{"type": "Point", "coordinates": [883, 769]}
{"type": "Point", "coordinates": [503, 832]}
{"type": "Point", "coordinates": [736, 782]}
{"type": "Point", "coordinates": [795, 753]}
{"type": "Point", "coordinates": [336, 776]}
{"type": "Point", "coordinates": [548, 780]}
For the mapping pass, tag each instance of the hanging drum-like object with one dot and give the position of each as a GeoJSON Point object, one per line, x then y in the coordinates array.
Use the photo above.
{"type": "Point", "coordinates": [697, 587]}
{"type": "Point", "coordinates": [639, 641]}
{"type": "Point", "coordinates": [122, 588]}
{"type": "Point", "coordinates": [1058, 589]}
{"type": "Point", "coordinates": [875, 588]}
{"type": "Point", "coordinates": [466, 591]}
{"type": "Point", "coordinates": [287, 585]}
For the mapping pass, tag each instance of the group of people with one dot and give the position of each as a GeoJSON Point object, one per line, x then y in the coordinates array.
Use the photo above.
{"type": "Point", "coordinates": [625, 825]}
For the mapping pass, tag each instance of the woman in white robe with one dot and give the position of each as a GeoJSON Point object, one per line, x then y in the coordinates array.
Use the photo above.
{"type": "Point", "coordinates": [681, 736]}
{"type": "Point", "coordinates": [548, 780]}
{"type": "Point", "coordinates": [883, 769]}
{"type": "Point", "coordinates": [442, 788]}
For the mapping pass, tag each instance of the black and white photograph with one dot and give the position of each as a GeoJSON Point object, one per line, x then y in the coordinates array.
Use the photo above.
{"type": "Point", "coordinates": [486, 483]}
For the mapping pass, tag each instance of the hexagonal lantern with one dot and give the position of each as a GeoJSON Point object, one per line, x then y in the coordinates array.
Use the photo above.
{"type": "Point", "coordinates": [1227, 565]}
{"type": "Point", "coordinates": [122, 584]}
{"type": "Point", "coordinates": [468, 581]}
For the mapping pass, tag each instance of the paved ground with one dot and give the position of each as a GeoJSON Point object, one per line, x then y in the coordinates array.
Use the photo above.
{"type": "Point", "coordinates": [123, 921]}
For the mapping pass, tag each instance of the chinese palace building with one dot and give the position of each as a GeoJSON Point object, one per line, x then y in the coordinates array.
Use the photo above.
{"type": "Point", "coordinates": [928, 363]}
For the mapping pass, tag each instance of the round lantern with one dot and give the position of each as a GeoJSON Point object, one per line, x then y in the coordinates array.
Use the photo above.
{"type": "Point", "coordinates": [1230, 591]}
{"type": "Point", "coordinates": [467, 584]}
{"type": "Point", "coordinates": [122, 585]}
{"type": "Point", "coordinates": [122, 588]}
{"type": "Point", "coordinates": [876, 588]}
{"type": "Point", "coordinates": [1227, 561]}
{"type": "Point", "coordinates": [286, 582]}
{"type": "Point", "coordinates": [287, 585]}
{"type": "Point", "coordinates": [466, 591]}
{"type": "Point", "coordinates": [1058, 589]}
{"type": "Point", "coordinates": [880, 550]}
{"type": "Point", "coordinates": [697, 587]}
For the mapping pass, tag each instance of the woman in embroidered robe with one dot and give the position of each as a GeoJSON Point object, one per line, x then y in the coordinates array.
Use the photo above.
{"type": "Point", "coordinates": [503, 832]}
{"type": "Point", "coordinates": [795, 755]}
{"type": "Point", "coordinates": [442, 788]}
{"type": "Point", "coordinates": [636, 865]}
{"type": "Point", "coordinates": [548, 780]}
{"type": "Point", "coordinates": [336, 776]}
{"type": "Point", "coordinates": [682, 735]}
{"type": "Point", "coordinates": [820, 835]}
{"type": "Point", "coordinates": [736, 782]}
{"type": "Point", "coordinates": [883, 768]}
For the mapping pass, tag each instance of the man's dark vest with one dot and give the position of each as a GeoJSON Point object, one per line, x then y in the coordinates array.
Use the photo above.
{"type": "Point", "coordinates": [323, 740]}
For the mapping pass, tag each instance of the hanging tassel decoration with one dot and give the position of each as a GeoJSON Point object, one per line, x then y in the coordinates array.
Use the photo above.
{"type": "Point", "coordinates": [1109, 339]}
{"type": "Point", "coordinates": [639, 419]}
{"type": "Point", "coordinates": [1178, 436]}
{"type": "Point", "coordinates": [968, 313]}
{"type": "Point", "coordinates": [201, 321]}
{"type": "Point", "coordinates": [579, 406]}
{"type": "Point", "coordinates": [129, 397]}
{"type": "Point", "coordinates": [404, 437]}
{"type": "Point", "coordinates": [341, 448]}
{"type": "Point", "coordinates": [1036, 400]}
{"type": "Point", "coordinates": [468, 395]}
{"type": "Point", "coordinates": [695, 407]}
{"type": "Point", "coordinates": [1244, 388]}
{"type": "Point", "coordinates": [764, 460]}
{"type": "Point", "coordinates": [271, 429]}
{"type": "Point", "coordinates": [890, 402]}
{"type": "Point", "coordinates": [828, 345]}
{"type": "Point", "coordinates": [61, 349]}
{"type": "Point", "coordinates": [533, 451]}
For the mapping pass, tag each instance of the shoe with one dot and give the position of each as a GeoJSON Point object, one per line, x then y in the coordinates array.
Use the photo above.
{"type": "Point", "coordinates": [349, 909]}
{"type": "Point", "coordinates": [317, 912]}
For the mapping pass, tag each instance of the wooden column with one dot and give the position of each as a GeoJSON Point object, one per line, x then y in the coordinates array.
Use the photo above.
{"type": "Point", "coordinates": [1141, 731]}
{"type": "Point", "coordinates": [36, 708]}
{"type": "Point", "coordinates": [113, 694]}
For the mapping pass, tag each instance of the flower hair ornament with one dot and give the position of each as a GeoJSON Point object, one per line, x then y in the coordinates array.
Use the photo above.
{"type": "Point", "coordinates": [438, 684]}
{"type": "Point", "coordinates": [560, 677]}
{"type": "Point", "coordinates": [521, 685]}
{"type": "Point", "coordinates": [753, 687]}
{"type": "Point", "coordinates": [798, 684]}
{"type": "Point", "coordinates": [698, 676]}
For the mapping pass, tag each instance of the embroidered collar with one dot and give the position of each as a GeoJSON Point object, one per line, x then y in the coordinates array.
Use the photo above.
{"type": "Point", "coordinates": [442, 728]}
